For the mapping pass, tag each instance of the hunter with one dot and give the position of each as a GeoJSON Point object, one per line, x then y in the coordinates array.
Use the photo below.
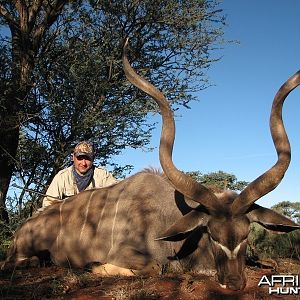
{"type": "Point", "coordinates": [81, 175]}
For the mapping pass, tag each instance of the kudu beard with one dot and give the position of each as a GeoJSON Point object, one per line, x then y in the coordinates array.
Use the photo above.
{"type": "Point", "coordinates": [281, 284]}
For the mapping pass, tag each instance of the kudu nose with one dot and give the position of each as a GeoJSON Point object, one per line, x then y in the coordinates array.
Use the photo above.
{"type": "Point", "coordinates": [235, 282]}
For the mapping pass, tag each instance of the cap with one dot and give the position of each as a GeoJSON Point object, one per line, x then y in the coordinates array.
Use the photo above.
{"type": "Point", "coordinates": [84, 148]}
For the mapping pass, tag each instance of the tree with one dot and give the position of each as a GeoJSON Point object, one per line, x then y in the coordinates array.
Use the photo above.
{"type": "Point", "coordinates": [67, 82]}
{"type": "Point", "coordinates": [289, 209]}
{"type": "Point", "coordinates": [218, 181]}
{"type": "Point", "coordinates": [28, 25]}
{"type": "Point", "coordinates": [278, 245]}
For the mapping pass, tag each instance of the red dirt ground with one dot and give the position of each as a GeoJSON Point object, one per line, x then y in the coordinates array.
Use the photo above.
{"type": "Point", "coordinates": [59, 283]}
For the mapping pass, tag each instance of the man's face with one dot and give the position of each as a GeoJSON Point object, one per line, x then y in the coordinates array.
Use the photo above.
{"type": "Point", "coordinates": [82, 163]}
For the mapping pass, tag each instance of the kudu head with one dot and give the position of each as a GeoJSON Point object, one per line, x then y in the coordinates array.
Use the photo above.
{"type": "Point", "coordinates": [227, 216]}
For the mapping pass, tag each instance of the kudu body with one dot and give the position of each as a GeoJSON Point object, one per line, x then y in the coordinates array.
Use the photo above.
{"type": "Point", "coordinates": [113, 226]}
{"type": "Point", "coordinates": [122, 227]}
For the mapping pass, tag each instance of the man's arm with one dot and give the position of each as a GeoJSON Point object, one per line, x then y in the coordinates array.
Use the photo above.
{"type": "Point", "coordinates": [54, 190]}
{"type": "Point", "coordinates": [109, 179]}
{"type": "Point", "coordinates": [103, 178]}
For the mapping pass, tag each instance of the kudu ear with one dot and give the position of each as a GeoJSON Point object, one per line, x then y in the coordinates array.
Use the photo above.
{"type": "Point", "coordinates": [185, 225]}
{"type": "Point", "coordinates": [270, 219]}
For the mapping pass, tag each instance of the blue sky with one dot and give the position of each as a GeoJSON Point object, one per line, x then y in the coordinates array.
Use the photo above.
{"type": "Point", "coordinates": [228, 128]}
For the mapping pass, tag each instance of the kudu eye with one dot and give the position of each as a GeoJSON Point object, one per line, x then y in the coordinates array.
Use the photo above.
{"type": "Point", "coordinates": [213, 239]}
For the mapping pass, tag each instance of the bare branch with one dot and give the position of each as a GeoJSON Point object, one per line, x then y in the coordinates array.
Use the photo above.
{"type": "Point", "coordinates": [51, 16]}
{"type": "Point", "coordinates": [33, 10]}
{"type": "Point", "coordinates": [7, 16]}
{"type": "Point", "coordinates": [23, 12]}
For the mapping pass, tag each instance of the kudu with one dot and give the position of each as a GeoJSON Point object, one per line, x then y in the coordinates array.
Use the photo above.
{"type": "Point", "coordinates": [121, 227]}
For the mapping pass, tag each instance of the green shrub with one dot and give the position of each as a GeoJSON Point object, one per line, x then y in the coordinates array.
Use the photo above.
{"type": "Point", "coordinates": [7, 232]}
{"type": "Point", "coordinates": [270, 245]}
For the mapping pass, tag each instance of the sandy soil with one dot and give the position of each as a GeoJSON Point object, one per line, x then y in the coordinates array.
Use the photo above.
{"type": "Point", "coordinates": [58, 283]}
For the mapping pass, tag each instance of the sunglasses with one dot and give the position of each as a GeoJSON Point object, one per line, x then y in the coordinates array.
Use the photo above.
{"type": "Point", "coordinates": [82, 157]}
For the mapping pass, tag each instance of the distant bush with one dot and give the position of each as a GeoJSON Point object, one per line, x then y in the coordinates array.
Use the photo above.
{"type": "Point", "coordinates": [269, 245]}
{"type": "Point", "coordinates": [7, 232]}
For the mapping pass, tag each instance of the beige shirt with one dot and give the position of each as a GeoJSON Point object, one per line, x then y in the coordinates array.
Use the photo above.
{"type": "Point", "coordinates": [64, 185]}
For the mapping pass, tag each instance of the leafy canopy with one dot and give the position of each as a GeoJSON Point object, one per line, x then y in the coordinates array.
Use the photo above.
{"type": "Point", "coordinates": [218, 181]}
{"type": "Point", "coordinates": [75, 85]}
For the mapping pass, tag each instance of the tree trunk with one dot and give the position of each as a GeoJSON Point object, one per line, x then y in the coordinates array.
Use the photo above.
{"type": "Point", "coordinates": [9, 143]}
